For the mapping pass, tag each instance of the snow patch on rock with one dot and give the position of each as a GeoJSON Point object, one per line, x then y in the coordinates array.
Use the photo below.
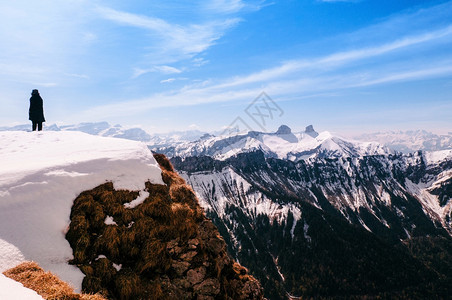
{"type": "Point", "coordinates": [139, 200]}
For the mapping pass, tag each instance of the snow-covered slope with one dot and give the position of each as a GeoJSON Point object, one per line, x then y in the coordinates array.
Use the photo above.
{"type": "Point", "coordinates": [215, 192]}
{"type": "Point", "coordinates": [42, 173]}
{"type": "Point", "coordinates": [13, 290]}
{"type": "Point", "coordinates": [282, 144]}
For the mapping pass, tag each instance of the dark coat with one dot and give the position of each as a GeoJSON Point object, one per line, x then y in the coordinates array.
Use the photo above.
{"type": "Point", "coordinates": [36, 111]}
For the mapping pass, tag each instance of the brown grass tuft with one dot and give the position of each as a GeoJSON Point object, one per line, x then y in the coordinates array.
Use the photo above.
{"type": "Point", "coordinates": [109, 241]}
{"type": "Point", "coordinates": [158, 210]}
{"type": "Point", "coordinates": [184, 193]}
{"type": "Point", "coordinates": [32, 276]}
{"type": "Point", "coordinates": [164, 162]}
{"type": "Point", "coordinates": [154, 258]}
{"type": "Point", "coordinates": [128, 286]}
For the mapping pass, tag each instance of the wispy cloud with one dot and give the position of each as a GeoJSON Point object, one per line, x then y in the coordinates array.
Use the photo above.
{"type": "Point", "coordinates": [199, 61]}
{"type": "Point", "coordinates": [82, 76]}
{"type": "Point", "coordinates": [161, 69]}
{"type": "Point", "coordinates": [169, 80]}
{"type": "Point", "coordinates": [338, 59]}
{"type": "Point", "coordinates": [414, 74]}
{"type": "Point", "coordinates": [233, 6]}
{"type": "Point", "coordinates": [168, 69]}
{"type": "Point", "coordinates": [173, 42]}
{"type": "Point", "coordinates": [224, 6]}
{"type": "Point", "coordinates": [334, 1]}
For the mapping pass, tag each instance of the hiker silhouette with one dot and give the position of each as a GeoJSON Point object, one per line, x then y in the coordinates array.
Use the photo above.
{"type": "Point", "coordinates": [36, 111]}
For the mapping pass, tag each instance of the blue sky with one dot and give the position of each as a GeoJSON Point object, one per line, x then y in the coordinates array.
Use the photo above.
{"type": "Point", "coordinates": [344, 66]}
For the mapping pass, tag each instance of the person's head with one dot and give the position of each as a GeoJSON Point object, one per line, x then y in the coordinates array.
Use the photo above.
{"type": "Point", "coordinates": [35, 92]}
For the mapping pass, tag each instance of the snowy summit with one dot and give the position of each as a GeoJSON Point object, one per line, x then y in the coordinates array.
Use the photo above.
{"type": "Point", "coordinates": [41, 175]}
{"type": "Point", "coordinates": [283, 144]}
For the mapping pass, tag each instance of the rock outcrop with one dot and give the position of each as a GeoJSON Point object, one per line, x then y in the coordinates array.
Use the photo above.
{"type": "Point", "coordinates": [310, 130]}
{"type": "Point", "coordinates": [164, 248]}
{"type": "Point", "coordinates": [284, 129]}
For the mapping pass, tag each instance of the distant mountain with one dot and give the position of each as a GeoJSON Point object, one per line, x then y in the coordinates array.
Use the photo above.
{"type": "Point", "coordinates": [333, 227]}
{"type": "Point", "coordinates": [98, 128]}
{"type": "Point", "coordinates": [316, 215]}
{"type": "Point", "coordinates": [176, 137]}
{"type": "Point", "coordinates": [282, 144]}
{"type": "Point", "coordinates": [409, 141]}
{"type": "Point", "coordinates": [118, 131]}
{"type": "Point", "coordinates": [105, 129]}
{"type": "Point", "coordinates": [196, 142]}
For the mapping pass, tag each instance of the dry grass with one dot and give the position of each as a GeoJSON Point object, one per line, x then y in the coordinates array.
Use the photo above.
{"type": "Point", "coordinates": [32, 276]}
{"type": "Point", "coordinates": [164, 163]}
{"type": "Point", "coordinates": [128, 286]}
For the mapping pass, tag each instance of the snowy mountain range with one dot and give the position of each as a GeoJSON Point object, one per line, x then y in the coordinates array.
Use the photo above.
{"type": "Point", "coordinates": [274, 212]}
{"type": "Point", "coordinates": [106, 130]}
{"type": "Point", "coordinates": [282, 144]}
{"type": "Point", "coordinates": [195, 141]}
{"type": "Point", "coordinates": [264, 188]}
{"type": "Point", "coordinates": [409, 141]}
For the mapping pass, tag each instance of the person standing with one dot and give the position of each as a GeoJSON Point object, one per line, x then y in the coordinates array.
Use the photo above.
{"type": "Point", "coordinates": [36, 111]}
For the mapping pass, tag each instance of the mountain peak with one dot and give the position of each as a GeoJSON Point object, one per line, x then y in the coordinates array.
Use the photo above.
{"type": "Point", "coordinates": [310, 131]}
{"type": "Point", "coordinates": [284, 129]}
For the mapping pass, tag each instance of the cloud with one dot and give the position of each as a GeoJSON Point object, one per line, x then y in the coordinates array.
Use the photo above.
{"type": "Point", "coordinates": [340, 58]}
{"type": "Point", "coordinates": [414, 74]}
{"type": "Point", "coordinates": [335, 1]}
{"type": "Point", "coordinates": [169, 80]}
{"type": "Point", "coordinates": [160, 69]}
{"type": "Point", "coordinates": [45, 84]}
{"type": "Point", "coordinates": [173, 42]}
{"type": "Point", "coordinates": [233, 6]}
{"type": "Point", "coordinates": [198, 62]}
{"type": "Point", "coordinates": [224, 6]}
{"type": "Point", "coordinates": [82, 76]}
{"type": "Point", "coordinates": [168, 69]}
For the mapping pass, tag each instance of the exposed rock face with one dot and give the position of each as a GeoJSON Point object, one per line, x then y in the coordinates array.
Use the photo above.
{"type": "Point", "coordinates": [284, 129]}
{"type": "Point", "coordinates": [310, 130]}
{"type": "Point", "coordinates": [165, 248]}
